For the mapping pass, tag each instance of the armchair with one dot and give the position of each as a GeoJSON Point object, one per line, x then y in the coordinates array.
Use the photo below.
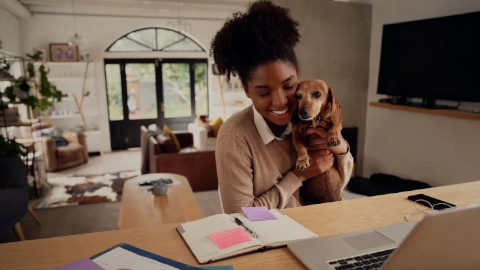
{"type": "Point", "coordinates": [61, 157]}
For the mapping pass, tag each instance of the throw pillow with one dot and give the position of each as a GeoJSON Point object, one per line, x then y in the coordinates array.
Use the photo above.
{"type": "Point", "coordinates": [215, 124]}
{"type": "Point", "coordinates": [167, 145]}
{"type": "Point", "coordinates": [59, 140]}
{"type": "Point", "coordinates": [170, 134]}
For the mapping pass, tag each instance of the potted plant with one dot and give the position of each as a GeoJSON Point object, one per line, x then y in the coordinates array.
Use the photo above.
{"type": "Point", "coordinates": [33, 89]}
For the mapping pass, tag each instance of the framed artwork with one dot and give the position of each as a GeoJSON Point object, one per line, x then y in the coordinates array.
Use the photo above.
{"type": "Point", "coordinates": [62, 52]}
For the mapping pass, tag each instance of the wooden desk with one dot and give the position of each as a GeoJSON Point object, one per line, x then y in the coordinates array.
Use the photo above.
{"type": "Point", "coordinates": [141, 208]}
{"type": "Point", "coordinates": [324, 219]}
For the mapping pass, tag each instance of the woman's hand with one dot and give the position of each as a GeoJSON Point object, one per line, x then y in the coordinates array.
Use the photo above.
{"type": "Point", "coordinates": [321, 155]}
{"type": "Point", "coordinates": [317, 140]}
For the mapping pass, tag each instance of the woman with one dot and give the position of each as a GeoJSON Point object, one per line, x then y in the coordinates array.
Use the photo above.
{"type": "Point", "coordinates": [254, 155]}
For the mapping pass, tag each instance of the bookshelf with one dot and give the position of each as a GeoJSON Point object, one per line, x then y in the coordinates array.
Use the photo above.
{"type": "Point", "coordinates": [439, 112]}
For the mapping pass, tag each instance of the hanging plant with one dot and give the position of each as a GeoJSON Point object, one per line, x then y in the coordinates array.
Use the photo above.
{"type": "Point", "coordinates": [25, 88]}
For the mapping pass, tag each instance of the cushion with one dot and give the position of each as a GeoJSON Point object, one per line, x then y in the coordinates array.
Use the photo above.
{"type": "Point", "coordinates": [188, 150]}
{"type": "Point", "coordinates": [152, 127]}
{"type": "Point", "coordinates": [59, 140]}
{"type": "Point", "coordinates": [170, 134]}
{"type": "Point", "coordinates": [167, 145]}
{"type": "Point", "coordinates": [215, 124]}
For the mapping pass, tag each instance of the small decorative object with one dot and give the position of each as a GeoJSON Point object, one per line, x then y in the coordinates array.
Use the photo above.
{"type": "Point", "coordinates": [40, 52]}
{"type": "Point", "coordinates": [160, 188]}
{"type": "Point", "coordinates": [62, 52]}
{"type": "Point", "coordinates": [86, 56]}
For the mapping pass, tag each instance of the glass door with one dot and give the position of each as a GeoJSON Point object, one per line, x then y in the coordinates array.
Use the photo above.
{"type": "Point", "coordinates": [146, 91]}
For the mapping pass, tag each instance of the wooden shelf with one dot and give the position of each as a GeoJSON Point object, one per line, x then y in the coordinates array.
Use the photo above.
{"type": "Point", "coordinates": [73, 115]}
{"type": "Point", "coordinates": [440, 112]}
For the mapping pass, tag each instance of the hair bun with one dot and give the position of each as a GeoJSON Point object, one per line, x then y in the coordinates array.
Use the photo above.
{"type": "Point", "coordinates": [265, 33]}
{"type": "Point", "coordinates": [274, 22]}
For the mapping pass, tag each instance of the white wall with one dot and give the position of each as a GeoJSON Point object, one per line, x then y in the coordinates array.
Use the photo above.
{"type": "Point", "coordinates": [10, 32]}
{"type": "Point", "coordinates": [434, 149]}
{"type": "Point", "coordinates": [99, 33]}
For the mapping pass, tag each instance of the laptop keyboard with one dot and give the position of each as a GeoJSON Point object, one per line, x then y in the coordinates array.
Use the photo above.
{"type": "Point", "coordinates": [363, 262]}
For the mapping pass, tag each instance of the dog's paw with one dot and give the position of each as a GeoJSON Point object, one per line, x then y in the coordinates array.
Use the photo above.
{"type": "Point", "coordinates": [303, 162]}
{"type": "Point", "coordinates": [333, 141]}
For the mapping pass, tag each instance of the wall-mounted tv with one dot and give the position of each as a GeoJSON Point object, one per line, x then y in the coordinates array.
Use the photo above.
{"type": "Point", "coordinates": [433, 59]}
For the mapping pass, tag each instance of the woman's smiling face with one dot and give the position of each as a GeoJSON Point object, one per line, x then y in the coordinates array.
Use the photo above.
{"type": "Point", "coordinates": [271, 88]}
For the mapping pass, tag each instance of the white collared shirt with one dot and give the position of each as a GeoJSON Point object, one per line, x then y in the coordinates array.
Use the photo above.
{"type": "Point", "coordinates": [264, 131]}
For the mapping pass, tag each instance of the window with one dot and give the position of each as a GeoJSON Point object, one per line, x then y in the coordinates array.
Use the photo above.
{"type": "Point", "coordinates": [155, 39]}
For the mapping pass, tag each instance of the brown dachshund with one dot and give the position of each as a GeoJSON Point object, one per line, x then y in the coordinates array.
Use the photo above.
{"type": "Point", "coordinates": [317, 106]}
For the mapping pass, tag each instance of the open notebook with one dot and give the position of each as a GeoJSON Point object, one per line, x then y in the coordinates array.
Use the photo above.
{"type": "Point", "coordinates": [271, 234]}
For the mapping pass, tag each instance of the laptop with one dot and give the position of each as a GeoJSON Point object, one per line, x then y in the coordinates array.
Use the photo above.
{"type": "Point", "coordinates": [446, 239]}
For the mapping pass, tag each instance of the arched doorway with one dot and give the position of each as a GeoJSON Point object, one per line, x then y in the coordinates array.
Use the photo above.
{"type": "Point", "coordinates": [163, 86]}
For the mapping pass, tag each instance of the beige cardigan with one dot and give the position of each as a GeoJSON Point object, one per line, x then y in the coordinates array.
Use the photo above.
{"type": "Point", "coordinates": [251, 173]}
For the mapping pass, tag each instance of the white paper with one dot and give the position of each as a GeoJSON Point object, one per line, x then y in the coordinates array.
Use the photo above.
{"type": "Point", "coordinates": [120, 258]}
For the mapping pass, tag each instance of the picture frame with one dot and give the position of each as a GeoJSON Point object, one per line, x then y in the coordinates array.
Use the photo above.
{"type": "Point", "coordinates": [62, 52]}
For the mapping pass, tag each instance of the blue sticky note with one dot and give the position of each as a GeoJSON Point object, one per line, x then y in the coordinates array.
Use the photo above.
{"type": "Point", "coordinates": [83, 264]}
{"type": "Point", "coordinates": [258, 213]}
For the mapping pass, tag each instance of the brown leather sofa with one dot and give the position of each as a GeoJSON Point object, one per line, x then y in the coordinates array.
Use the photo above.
{"type": "Point", "coordinates": [197, 166]}
{"type": "Point", "coordinates": [75, 153]}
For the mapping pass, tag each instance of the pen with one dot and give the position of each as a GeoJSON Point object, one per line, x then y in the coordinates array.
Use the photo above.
{"type": "Point", "coordinates": [239, 222]}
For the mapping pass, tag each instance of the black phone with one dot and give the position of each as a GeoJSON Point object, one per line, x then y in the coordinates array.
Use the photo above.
{"type": "Point", "coordinates": [436, 203]}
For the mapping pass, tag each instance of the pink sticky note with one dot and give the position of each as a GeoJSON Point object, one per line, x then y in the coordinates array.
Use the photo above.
{"type": "Point", "coordinates": [83, 264]}
{"type": "Point", "coordinates": [258, 213]}
{"type": "Point", "coordinates": [230, 237]}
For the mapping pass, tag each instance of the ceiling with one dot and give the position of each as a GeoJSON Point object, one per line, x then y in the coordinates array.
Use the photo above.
{"type": "Point", "coordinates": [192, 9]}
{"type": "Point", "coordinates": [220, 9]}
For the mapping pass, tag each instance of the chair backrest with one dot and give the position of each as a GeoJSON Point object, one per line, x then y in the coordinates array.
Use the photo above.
{"type": "Point", "coordinates": [14, 173]}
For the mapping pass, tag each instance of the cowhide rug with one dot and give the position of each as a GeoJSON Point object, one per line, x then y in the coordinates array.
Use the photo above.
{"type": "Point", "coordinates": [75, 190]}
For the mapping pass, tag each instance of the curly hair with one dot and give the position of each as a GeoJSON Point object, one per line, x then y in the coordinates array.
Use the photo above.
{"type": "Point", "coordinates": [265, 33]}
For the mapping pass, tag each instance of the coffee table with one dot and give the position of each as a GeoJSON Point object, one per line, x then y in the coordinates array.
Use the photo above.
{"type": "Point", "coordinates": [139, 207]}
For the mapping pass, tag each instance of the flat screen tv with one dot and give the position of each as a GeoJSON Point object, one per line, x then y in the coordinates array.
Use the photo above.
{"type": "Point", "coordinates": [433, 59]}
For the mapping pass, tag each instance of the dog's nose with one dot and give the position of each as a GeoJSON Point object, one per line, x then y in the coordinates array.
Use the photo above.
{"type": "Point", "coordinates": [303, 113]}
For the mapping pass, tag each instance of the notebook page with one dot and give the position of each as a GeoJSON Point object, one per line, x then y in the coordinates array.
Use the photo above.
{"type": "Point", "coordinates": [196, 234]}
{"type": "Point", "coordinates": [277, 232]}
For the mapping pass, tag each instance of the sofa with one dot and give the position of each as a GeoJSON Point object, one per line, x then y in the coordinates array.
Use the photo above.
{"type": "Point", "coordinates": [196, 165]}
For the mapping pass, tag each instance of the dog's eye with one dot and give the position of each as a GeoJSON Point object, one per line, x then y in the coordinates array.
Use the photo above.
{"type": "Point", "coordinates": [317, 94]}
{"type": "Point", "coordinates": [298, 96]}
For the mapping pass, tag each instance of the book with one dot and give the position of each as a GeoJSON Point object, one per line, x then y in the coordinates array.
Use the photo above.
{"type": "Point", "coordinates": [219, 236]}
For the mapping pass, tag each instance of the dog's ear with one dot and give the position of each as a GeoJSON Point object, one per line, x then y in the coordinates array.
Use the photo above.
{"type": "Point", "coordinates": [333, 102]}
{"type": "Point", "coordinates": [335, 115]}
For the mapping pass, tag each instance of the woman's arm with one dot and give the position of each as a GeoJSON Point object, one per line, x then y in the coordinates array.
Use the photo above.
{"type": "Point", "coordinates": [236, 183]}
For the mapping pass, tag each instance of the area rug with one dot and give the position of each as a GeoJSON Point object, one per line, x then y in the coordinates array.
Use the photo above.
{"type": "Point", "coordinates": [75, 190]}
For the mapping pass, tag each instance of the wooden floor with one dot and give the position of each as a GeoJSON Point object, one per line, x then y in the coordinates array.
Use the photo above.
{"type": "Point", "coordinates": [94, 217]}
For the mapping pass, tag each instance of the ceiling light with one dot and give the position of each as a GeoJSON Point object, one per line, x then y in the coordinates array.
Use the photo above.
{"type": "Point", "coordinates": [76, 39]}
